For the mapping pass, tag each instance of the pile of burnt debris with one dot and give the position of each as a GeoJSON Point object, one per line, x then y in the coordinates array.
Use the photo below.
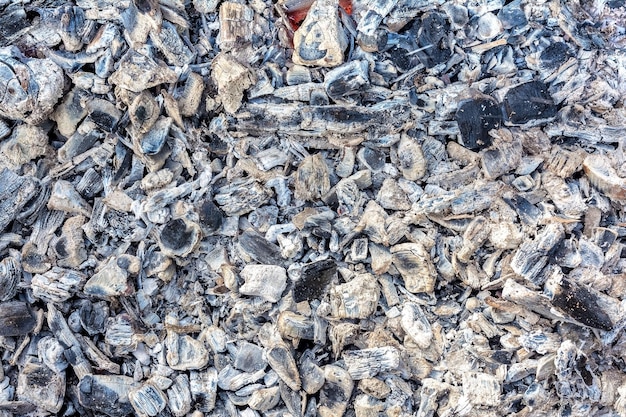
{"type": "Point", "coordinates": [312, 208]}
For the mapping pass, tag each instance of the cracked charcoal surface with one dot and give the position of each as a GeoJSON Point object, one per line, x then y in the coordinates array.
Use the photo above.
{"type": "Point", "coordinates": [529, 101]}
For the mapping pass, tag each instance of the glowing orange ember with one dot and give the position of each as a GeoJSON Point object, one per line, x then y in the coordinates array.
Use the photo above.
{"type": "Point", "coordinates": [346, 5]}
{"type": "Point", "coordinates": [296, 17]}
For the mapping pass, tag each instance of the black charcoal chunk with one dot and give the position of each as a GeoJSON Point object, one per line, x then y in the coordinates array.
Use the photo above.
{"type": "Point", "coordinates": [314, 280]}
{"type": "Point", "coordinates": [335, 394]}
{"type": "Point", "coordinates": [41, 386]}
{"type": "Point", "coordinates": [125, 165]}
{"type": "Point", "coordinates": [581, 305]}
{"type": "Point", "coordinates": [340, 114]}
{"type": "Point", "coordinates": [502, 356]}
{"type": "Point", "coordinates": [432, 37]}
{"type": "Point", "coordinates": [16, 319]}
{"type": "Point", "coordinates": [512, 15]}
{"type": "Point", "coordinates": [529, 101]}
{"type": "Point", "coordinates": [107, 394]}
{"type": "Point", "coordinates": [179, 237]}
{"type": "Point", "coordinates": [84, 143]}
{"type": "Point", "coordinates": [175, 234]}
{"type": "Point", "coordinates": [211, 217]}
{"type": "Point", "coordinates": [555, 55]}
{"type": "Point", "coordinates": [402, 60]}
{"type": "Point", "coordinates": [106, 121]}
{"type": "Point", "coordinates": [476, 117]}
{"type": "Point", "coordinates": [259, 248]}
{"type": "Point", "coordinates": [217, 145]}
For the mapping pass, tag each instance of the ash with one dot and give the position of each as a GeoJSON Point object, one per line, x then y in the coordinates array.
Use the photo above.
{"type": "Point", "coordinates": [312, 208]}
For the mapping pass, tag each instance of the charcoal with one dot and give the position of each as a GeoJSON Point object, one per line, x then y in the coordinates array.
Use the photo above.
{"type": "Point", "coordinates": [314, 280]}
{"type": "Point", "coordinates": [211, 217]}
{"type": "Point", "coordinates": [259, 249]}
{"type": "Point", "coordinates": [309, 208]}
{"type": "Point", "coordinates": [433, 33]}
{"type": "Point", "coordinates": [528, 212]}
{"type": "Point", "coordinates": [16, 191]}
{"type": "Point", "coordinates": [476, 118]}
{"type": "Point", "coordinates": [347, 79]}
{"type": "Point", "coordinates": [13, 21]}
{"type": "Point", "coordinates": [41, 386]}
{"type": "Point", "coordinates": [402, 60]}
{"type": "Point", "coordinates": [373, 159]}
{"type": "Point", "coordinates": [179, 237]}
{"type": "Point", "coordinates": [107, 394]}
{"type": "Point", "coordinates": [16, 318]}
{"type": "Point", "coordinates": [512, 15]}
{"type": "Point", "coordinates": [527, 102]}
{"type": "Point", "coordinates": [556, 54]}
{"type": "Point", "coordinates": [580, 304]}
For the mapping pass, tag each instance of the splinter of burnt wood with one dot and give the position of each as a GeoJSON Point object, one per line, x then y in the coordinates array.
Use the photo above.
{"type": "Point", "coordinates": [301, 120]}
